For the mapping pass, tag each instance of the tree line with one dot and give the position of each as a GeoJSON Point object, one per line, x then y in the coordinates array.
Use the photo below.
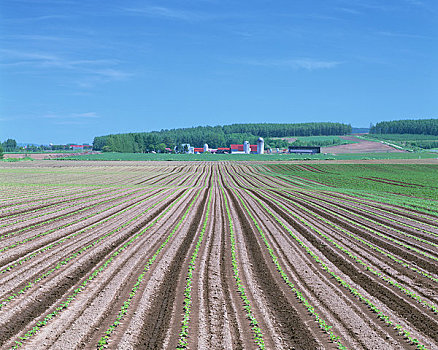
{"type": "Point", "coordinates": [214, 136]}
{"type": "Point", "coordinates": [421, 126]}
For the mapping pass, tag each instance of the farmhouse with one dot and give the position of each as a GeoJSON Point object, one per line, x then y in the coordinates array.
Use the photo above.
{"type": "Point", "coordinates": [223, 150]}
{"type": "Point", "coordinates": [304, 150]}
{"type": "Point", "coordinates": [80, 147]}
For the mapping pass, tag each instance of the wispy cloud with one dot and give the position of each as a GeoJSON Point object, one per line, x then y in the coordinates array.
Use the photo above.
{"type": "Point", "coordinates": [297, 63]}
{"type": "Point", "coordinates": [29, 20]}
{"type": "Point", "coordinates": [367, 5]}
{"type": "Point", "coordinates": [49, 2]}
{"type": "Point", "coordinates": [382, 5]}
{"type": "Point", "coordinates": [86, 115]}
{"type": "Point", "coordinates": [414, 2]}
{"type": "Point", "coordinates": [70, 118]}
{"type": "Point", "coordinates": [349, 10]}
{"type": "Point", "coordinates": [165, 12]}
{"type": "Point", "coordinates": [34, 37]}
{"type": "Point", "coordinates": [99, 70]}
{"type": "Point", "coordinates": [112, 74]}
{"type": "Point", "coordinates": [55, 118]}
{"type": "Point", "coordinates": [39, 59]}
{"type": "Point", "coordinates": [404, 35]}
{"type": "Point", "coordinates": [161, 12]}
{"type": "Point", "coordinates": [311, 16]}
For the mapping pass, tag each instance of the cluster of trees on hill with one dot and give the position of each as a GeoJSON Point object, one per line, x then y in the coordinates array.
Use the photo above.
{"type": "Point", "coordinates": [10, 145]}
{"type": "Point", "coordinates": [214, 136]}
{"type": "Point", "coordinates": [422, 126]}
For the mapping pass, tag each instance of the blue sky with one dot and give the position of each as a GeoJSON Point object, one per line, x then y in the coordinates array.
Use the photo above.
{"type": "Point", "coordinates": [71, 69]}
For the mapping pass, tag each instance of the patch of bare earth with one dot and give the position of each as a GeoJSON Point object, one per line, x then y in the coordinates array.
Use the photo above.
{"type": "Point", "coordinates": [361, 146]}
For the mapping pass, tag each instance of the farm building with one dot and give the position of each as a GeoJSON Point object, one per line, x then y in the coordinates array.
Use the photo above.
{"type": "Point", "coordinates": [236, 149]}
{"type": "Point", "coordinates": [222, 150]}
{"type": "Point", "coordinates": [304, 150]}
{"type": "Point", "coordinates": [80, 147]}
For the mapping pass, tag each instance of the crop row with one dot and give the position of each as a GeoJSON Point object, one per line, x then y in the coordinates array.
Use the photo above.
{"type": "Point", "coordinates": [299, 295]}
{"type": "Point", "coordinates": [62, 263]}
{"type": "Point", "coordinates": [380, 314]}
{"type": "Point", "coordinates": [67, 300]}
{"type": "Point", "coordinates": [59, 207]}
{"type": "Point", "coordinates": [184, 333]}
{"type": "Point", "coordinates": [81, 219]}
{"type": "Point", "coordinates": [103, 342]}
{"type": "Point", "coordinates": [258, 335]}
{"type": "Point", "coordinates": [367, 267]}
{"type": "Point", "coordinates": [375, 232]}
{"type": "Point", "coordinates": [75, 234]}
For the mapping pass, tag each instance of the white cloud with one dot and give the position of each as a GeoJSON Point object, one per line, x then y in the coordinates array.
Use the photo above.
{"type": "Point", "coordinates": [349, 10]}
{"type": "Point", "coordinates": [404, 35]}
{"type": "Point", "coordinates": [165, 12]}
{"type": "Point", "coordinates": [180, 15]}
{"type": "Point", "coordinates": [71, 116]}
{"type": "Point", "coordinates": [85, 115]}
{"type": "Point", "coordinates": [95, 70]}
{"type": "Point", "coordinates": [112, 74]}
{"type": "Point", "coordinates": [297, 63]}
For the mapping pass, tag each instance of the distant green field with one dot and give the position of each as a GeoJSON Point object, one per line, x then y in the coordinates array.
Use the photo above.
{"type": "Point", "coordinates": [245, 157]}
{"type": "Point", "coordinates": [402, 137]}
{"type": "Point", "coordinates": [408, 141]}
{"type": "Point", "coordinates": [320, 141]}
{"type": "Point", "coordinates": [44, 152]}
{"type": "Point", "coordinates": [323, 139]}
{"type": "Point", "coordinates": [409, 185]}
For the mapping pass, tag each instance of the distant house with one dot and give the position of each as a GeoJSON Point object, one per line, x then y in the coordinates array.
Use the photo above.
{"type": "Point", "coordinates": [222, 150]}
{"type": "Point", "coordinates": [304, 150]}
{"type": "Point", "coordinates": [198, 150]}
{"type": "Point", "coordinates": [80, 147]}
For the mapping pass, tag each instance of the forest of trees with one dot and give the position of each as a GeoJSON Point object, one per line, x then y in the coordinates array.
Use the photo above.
{"type": "Point", "coordinates": [214, 136]}
{"type": "Point", "coordinates": [421, 126]}
{"type": "Point", "coordinates": [10, 145]}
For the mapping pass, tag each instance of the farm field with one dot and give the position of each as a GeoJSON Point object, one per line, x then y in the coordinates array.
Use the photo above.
{"type": "Point", "coordinates": [254, 157]}
{"type": "Point", "coordinates": [218, 255]}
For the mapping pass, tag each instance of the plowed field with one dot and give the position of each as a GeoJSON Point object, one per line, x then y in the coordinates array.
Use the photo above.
{"type": "Point", "coordinates": [220, 255]}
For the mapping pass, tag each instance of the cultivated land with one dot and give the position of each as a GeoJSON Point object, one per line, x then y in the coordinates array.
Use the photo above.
{"type": "Point", "coordinates": [218, 255]}
{"type": "Point", "coordinates": [359, 146]}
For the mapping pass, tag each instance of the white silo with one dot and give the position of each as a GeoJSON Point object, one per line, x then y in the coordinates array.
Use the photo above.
{"type": "Point", "coordinates": [246, 147]}
{"type": "Point", "coordinates": [260, 145]}
{"type": "Point", "coordinates": [205, 148]}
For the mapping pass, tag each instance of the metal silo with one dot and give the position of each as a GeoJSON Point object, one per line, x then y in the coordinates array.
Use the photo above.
{"type": "Point", "coordinates": [205, 148]}
{"type": "Point", "coordinates": [260, 145]}
{"type": "Point", "coordinates": [246, 147]}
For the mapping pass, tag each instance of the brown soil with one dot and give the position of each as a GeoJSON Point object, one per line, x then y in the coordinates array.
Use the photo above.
{"type": "Point", "coordinates": [39, 156]}
{"type": "Point", "coordinates": [40, 273]}
{"type": "Point", "coordinates": [361, 146]}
